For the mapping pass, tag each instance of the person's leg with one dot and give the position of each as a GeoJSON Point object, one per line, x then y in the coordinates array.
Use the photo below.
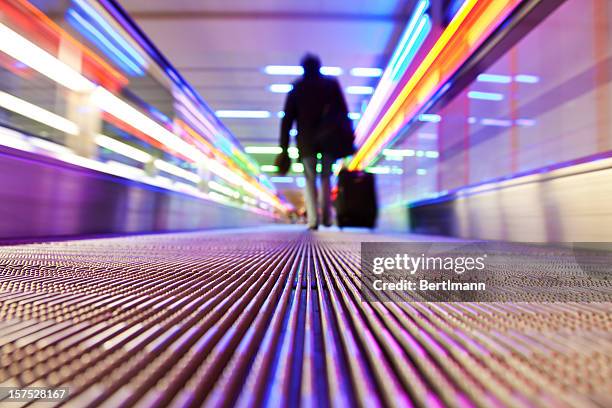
{"type": "Point", "coordinates": [310, 191]}
{"type": "Point", "coordinates": [326, 168]}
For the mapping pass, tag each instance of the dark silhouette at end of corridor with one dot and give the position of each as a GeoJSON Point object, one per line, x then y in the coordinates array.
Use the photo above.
{"type": "Point", "coordinates": [317, 106]}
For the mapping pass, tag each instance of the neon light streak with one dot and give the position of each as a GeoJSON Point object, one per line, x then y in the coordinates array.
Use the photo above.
{"type": "Point", "coordinates": [223, 189]}
{"type": "Point", "coordinates": [406, 50]}
{"type": "Point", "coordinates": [133, 117]}
{"type": "Point", "coordinates": [416, 40]}
{"type": "Point", "coordinates": [403, 48]}
{"type": "Point", "coordinates": [36, 113]}
{"type": "Point", "coordinates": [123, 149]}
{"type": "Point", "coordinates": [40, 60]}
{"type": "Point", "coordinates": [107, 28]}
{"type": "Point", "coordinates": [461, 37]}
{"type": "Point", "coordinates": [176, 171]}
{"type": "Point", "coordinates": [100, 40]}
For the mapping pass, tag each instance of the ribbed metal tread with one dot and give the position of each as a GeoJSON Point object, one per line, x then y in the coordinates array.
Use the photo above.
{"type": "Point", "coordinates": [274, 318]}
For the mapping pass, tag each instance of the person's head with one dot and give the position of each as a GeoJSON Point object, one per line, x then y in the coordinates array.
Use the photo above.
{"type": "Point", "coordinates": [311, 64]}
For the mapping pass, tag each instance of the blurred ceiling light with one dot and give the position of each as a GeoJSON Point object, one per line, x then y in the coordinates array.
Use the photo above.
{"type": "Point", "coordinates": [378, 170]}
{"type": "Point", "coordinates": [354, 115]}
{"type": "Point", "coordinates": [525, 122]}
{"type": "Point", "coordinates": [360, 90]}
{"type": "Point", "coordinates": [283, 70]}
{"type": "Point", "coordinates": [40, 60]}
{"type": "Point", "coordinates": [496, 122]}
{"type": "Point", "coordinates": [485, 96]}
{"type": "Point", "coordinates": [36, 113]}
{"type": "Point", "coordinates": [294, 153]}
{"type": "Point", "coordinates": [123, 149]}
{"type": "Point", "coordinates": [399, 152]}
{"type": "Point", "coordinates": [421, 172]}
{"type": "Point", "coordinates": [282, 179]}
{"type": "Point", "coordinates": [499, 79]}
{"type": "Point", "coordinates": [429, 117]}
{"type": "Point", "coordinates": [268, 168]}
{"type": "Point", "coordinates": [527, 79]}
{"type": "Point", "coordinates": [176, 171]}
{"type": "Point", "coordinates": [367, 72]}
{"type": "Point", "coordinates": [280, 88]}
{"type": "Point", "coordinates": [298, 70]}
{"type": "Point", "coordinates": [243, 114]}
{"type": "Point", "coordinates": [332, 71]}
{"type": "Point", "coordinates": [263, 149]}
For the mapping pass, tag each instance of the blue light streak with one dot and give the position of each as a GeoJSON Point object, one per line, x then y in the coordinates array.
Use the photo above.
{"type": "Point", "coordinates": [414, 35]}
{"type": "Point", "coordinates": [106, 46]}
{"type": "Point", "coordinates": [108, 29]}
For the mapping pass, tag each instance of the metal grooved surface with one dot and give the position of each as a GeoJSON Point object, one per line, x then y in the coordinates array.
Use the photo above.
{"type": "Point", "coordinates": [273, 317]}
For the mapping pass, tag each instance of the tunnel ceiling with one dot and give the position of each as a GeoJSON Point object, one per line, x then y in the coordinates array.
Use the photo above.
{"type": "Point", "coordinates": [222, 47]}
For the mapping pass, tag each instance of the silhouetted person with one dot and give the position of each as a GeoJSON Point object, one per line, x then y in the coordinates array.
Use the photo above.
{"type": "Point", "coordinates": [311, 97]}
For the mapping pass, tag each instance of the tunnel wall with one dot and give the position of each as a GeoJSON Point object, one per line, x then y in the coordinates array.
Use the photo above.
{"type": "Point", "coordinates": [568, 204]}
{"type": "Point", "coordinates": [45, 197]}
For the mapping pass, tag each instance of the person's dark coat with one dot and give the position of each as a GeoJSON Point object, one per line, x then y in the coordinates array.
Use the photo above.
{"type": "Point", "coordinates": [304, 105]}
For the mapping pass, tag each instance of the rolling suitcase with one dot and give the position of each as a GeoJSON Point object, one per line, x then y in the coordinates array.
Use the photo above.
{"type": "Point", "coordinates": [356, 199]}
